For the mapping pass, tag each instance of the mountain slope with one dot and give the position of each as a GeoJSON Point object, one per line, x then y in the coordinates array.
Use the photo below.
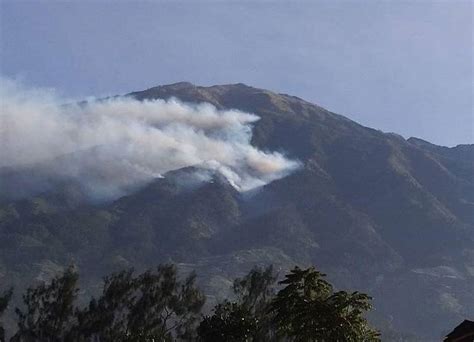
{"type": "Point", "coordinates": [379, 213]}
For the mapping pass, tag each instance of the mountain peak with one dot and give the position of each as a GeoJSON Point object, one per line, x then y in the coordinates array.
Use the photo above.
{"type": "Point", "coordinates": [182, 84]}
{"type": "Point", "coordinates": [366, 206]}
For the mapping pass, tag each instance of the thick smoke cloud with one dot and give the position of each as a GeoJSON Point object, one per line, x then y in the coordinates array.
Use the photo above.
{"type": "Point", "coordinates": [111, 146]}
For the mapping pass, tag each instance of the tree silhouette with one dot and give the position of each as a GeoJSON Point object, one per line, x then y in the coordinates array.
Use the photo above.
{"type": "Point", "coordinates": [247, 318]}
{"type": "Point", "coordinates": [4, 300]}
{"type": "Point", "coordinates": [154, 306]}
{"type": "Point", "coordinates": [49, 312]}
{"type": "Point", "coordinates": [307, 309]}
{"type": "Point", "coordinates": [160, 306]}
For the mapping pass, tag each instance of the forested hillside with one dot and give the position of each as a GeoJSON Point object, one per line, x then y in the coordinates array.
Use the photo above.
{"type": "Point", "coordinates": [389, 216]}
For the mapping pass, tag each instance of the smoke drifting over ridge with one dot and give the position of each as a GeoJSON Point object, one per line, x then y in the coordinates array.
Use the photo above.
{"type": "Point", "coordinates": [111, 146]}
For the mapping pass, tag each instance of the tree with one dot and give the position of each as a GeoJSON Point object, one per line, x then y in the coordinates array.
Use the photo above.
{"type": "Point", "coordinates": [49, 313]}
{"type": "Point", "coordinates": [307, 309]}
{"type": "Point", "coordinates": [154, 306]}
{"type": "Point", "coordinates": [245, 319]}
{"type": "Point", "coordinates": [159, 306]}
{"type": "Point", "coordinates": [4, 300]}
{"type": "Point", "coordinates": [230, 322]}
{"type": "Point", "coordinates": [256, 289]}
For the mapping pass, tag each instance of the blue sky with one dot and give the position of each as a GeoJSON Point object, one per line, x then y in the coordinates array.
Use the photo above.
{"type": "Point", "coordinates": [400, 66]}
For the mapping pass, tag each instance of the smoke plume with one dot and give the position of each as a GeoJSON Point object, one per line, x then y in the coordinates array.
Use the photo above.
{"type": "Point", "coordinates": [111, 146]}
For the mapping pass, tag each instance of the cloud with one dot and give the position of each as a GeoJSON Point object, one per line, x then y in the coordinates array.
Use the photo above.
{"type": "Point", "coordinates": [111, 146]}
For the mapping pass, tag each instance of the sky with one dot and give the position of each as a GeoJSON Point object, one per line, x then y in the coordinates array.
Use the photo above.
{"type": "Point", "coordinates": [399, 66]}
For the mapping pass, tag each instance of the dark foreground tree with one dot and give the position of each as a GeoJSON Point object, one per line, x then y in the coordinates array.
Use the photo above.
{"type": "Point", "coordinates": [154, 306]}
{"type": "Point", "coordinates": [4, 300]}
{"type": "Point", "coordinates": [247, 318]}
{"type": "Point", "coordinates": [160, 306]}
{"type": "Point", "coordinates": [49, 310]}
{"type": "Point", "coordinates": [307, 309]}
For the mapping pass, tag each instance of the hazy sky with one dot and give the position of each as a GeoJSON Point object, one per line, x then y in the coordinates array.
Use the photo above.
{"type": "Point", "coordinates": [400, 66]}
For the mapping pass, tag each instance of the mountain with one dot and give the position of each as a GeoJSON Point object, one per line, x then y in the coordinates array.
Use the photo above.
{"type": "Point", "coordinates": [378, 213]}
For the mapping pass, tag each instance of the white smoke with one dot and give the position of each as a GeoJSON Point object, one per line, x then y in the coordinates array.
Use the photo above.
{"type": "Point", "coordinates": [112, 145]}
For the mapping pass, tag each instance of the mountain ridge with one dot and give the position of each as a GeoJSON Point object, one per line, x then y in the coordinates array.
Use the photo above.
{"type": "Point", "coordinates": [389, 216]}
{"type": "Point", "coordinates": [187, 86]}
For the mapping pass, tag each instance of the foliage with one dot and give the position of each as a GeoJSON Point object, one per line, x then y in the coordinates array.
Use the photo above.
{"type": "Point", "coordinates": [230, 322]}
{"type": "Point", "coordinates": [245, 319]}
{"type": "Point", "coordinates": [256, 289]}
{"type": "Point", "coordinates": [151, 306]}
{"type": "Point", "coordinates": [4, 300]}
{"type": "Point", "coordinates": [307, 309]}
{"type": "Point", "coordinates": [159, 306]}
{"type": "Point", "coordinates": [49, 310]}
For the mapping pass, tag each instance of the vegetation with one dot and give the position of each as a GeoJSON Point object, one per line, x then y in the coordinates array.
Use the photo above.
{"type": "Point", "coordinates": [49, 310]}
{"type": "Point", "coordinates": [307, 309]}
{"type": "Point", "coordinates": [160, 306]}
{"type": "Point", "coordinates": [247, 318]}
{"type": "Point", "coordinates": [4, 300]}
